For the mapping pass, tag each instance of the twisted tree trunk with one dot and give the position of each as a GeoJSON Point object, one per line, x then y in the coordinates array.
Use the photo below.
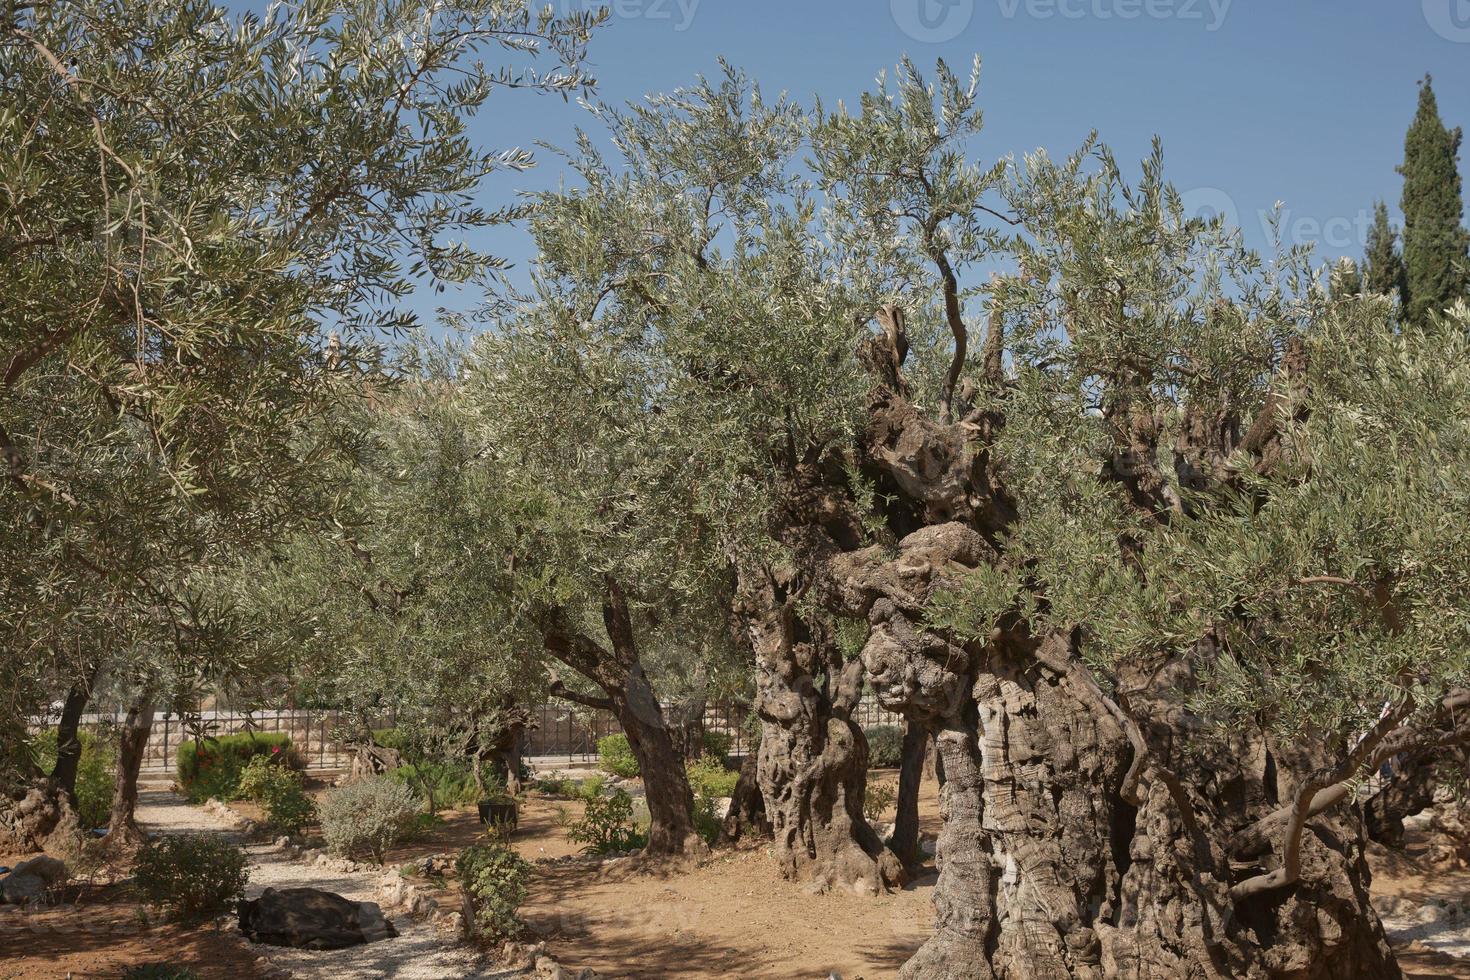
{"type": "Point", "coordinates": [122, 829]}
{"type": "Point", "coordinates": [1079, 839]}
{"type": "Point", "coordinates": [68, 739]}
{"type": "Point", "coordinates": [629, 694]}
{"type": "Point", "coordinates": [813, 762]}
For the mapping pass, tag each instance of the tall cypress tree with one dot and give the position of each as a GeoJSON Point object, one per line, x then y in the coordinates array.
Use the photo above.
{"type": "Point", "coordinates": [1436, 246]}
{"type": "Point", "coordinates": [1383, 267]}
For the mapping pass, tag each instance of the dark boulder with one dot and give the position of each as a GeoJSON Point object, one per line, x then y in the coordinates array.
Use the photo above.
{"type": "Point", "coordinates": [308, 918]}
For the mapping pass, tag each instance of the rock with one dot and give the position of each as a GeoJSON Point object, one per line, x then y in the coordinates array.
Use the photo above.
{"type": "Point", "coordinates": [49, 869]}
{"type": "Point", "coordinates": [21, 889]}
{"type": "Point", "coordinates": [308, 918]}
{"type": "Point", "coordinates": [929, 847]}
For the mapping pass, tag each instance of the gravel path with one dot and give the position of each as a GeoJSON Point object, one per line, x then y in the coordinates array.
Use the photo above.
{"type": "Point", "coordinates": [418, 953]}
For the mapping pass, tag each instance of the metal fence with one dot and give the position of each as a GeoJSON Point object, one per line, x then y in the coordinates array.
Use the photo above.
{"type": "Point", "coordinates": [562, 733]}
{"type": "Point", "coordinates": [309, 731]}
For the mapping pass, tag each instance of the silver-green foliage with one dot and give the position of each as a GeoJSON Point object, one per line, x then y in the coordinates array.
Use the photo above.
{"type": "Point", "coordinates": [367, 815]}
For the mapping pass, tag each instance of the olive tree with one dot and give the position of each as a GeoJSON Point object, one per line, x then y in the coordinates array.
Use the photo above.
{"type": "Point", "coordinates": [1159, 538]}
{"type": "Point", "coordinates": [209, 222]}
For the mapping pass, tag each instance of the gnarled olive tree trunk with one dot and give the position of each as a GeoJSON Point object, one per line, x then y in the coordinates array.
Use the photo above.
{"type": "Point", "coordinates": [1086, 834]}
{"type": "Point", "coordinates": [813, 761]}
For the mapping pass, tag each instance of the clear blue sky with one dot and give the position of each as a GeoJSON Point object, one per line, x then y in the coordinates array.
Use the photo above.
{"type": "Point", "coordinates": [1301, 101]}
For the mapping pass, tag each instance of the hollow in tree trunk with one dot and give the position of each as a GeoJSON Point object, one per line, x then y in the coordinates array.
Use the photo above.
{"type": "Point", "coordinates": [905, 839]}
{"type": "Point", "coordinates": [122, 828]}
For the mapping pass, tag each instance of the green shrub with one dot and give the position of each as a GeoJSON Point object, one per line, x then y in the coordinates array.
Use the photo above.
{"type": "Point", "coordinates": [607, 825]}
{"type": "Point", "coordinates": [368, 815]}
{"type": "Point", "coordinates": [212, 768]}
{"type": "Point", "coordinates": [443, 784]}
{"type": "Point", "coordinates": [495, 877]}
{"type": "Point", "coordinates": [615, 755]}
{"type": "Point", "coordinates": [278, 788]}
{"type": "Point", "coordinates": [194, 877]}
{"type": "Point", "coordinates": [877, 801]}
{"type": "Point", "coordinates": [708, 777]}
{"type": "Point", "coordinates": [885, 746]}
{"type": "Point", "coordinates": [590, 788]}
{"type": "Point", "coordinates": [259, 777]}
{"type": "Point", "coordinates": [717, 744]}
{"type": "Point", "coordinates": [94, 771]}
{"type": "Point", "coordinates": [708, 821]}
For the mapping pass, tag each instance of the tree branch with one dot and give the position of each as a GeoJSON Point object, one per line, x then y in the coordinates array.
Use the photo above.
{"type": "Point", "coordinates": [560, 690]}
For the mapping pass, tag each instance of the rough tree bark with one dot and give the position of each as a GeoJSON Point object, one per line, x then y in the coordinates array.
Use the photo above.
{"type": "Point", "coordinates": [122, 829]}
{"type": "Point", "coordinates": [813, 759]}
{"type": "Point", "coordinates": [629, 694]}
{"type": "Point", "coordinates": [747, 814]}
{"type": "Point", "coordinates": [1408, 788]}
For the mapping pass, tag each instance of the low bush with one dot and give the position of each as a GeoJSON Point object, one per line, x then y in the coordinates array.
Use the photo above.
{"type": "Point", "coordinates": [555, 784]}
{"type": "Point", "coordinates": [442, 784]}
{"type": "Point", "coordinates": [212, 768]}
{"type": "Point", "coordinates": [877, 801]}
{"type": "Point", "coordinates": [495, 877]}
{"type": "Point", "coordinates": [607, 825]}
{"type": "Point", "coordinates": [369, 815]}
{"type": "Point", "coordinates": [885, 746]}
{"type": "Point", "coordinates": [193, 877]}
{"type": "Point", "coordinates": [615, 755]}
{"type": "Point", "coordinates": [709, 777]}
{"type": "Point", "coordinates": [269, 782]}
{"type": "Point", "coordinates": [717, 745]}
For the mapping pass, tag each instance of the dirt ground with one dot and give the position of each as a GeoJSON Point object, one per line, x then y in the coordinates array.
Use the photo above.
{"type": "Point", "coordinates": [100, 932]}
{"type": "Point", "coordinates": [733, 916]}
